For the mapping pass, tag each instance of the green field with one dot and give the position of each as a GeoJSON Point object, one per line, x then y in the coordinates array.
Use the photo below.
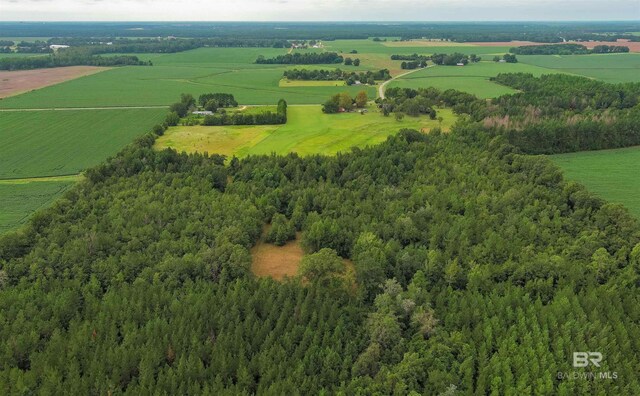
{"type": "Point", "coordinates": [611, 174]}
{"type": "Point", "coordinates": [308, 131]}
{"type": "Point", "coordinates": [20, 200]}
{"type": "Point", "coordinates": [612, 68]}
{"type": "Point", "coordinates": [199, 71]}
{"type": "Point", "coordinates": [51, 143]}
{"type": "Point", "coordinates": [473, 78]}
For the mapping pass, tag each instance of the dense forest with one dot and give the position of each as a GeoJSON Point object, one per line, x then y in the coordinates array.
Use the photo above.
{"type": "Point", "coordinates": [567, 49]}
{"type": "Point", "coordinates": [298, 58]}
{"type": "Point", "coordinates": [478, 270]}
{"type": "Point", "coordinates": [551, 114]}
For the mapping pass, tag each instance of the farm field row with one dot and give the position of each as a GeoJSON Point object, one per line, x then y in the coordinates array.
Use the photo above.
{"type": "Point", "coordinates": [20, 200]}
{"type": "Point", "coordinates": [308, 131]}
{"type": "Point", "coordinates": [53, 143]}
{"type": "Point", "coordinates": [611, 174]}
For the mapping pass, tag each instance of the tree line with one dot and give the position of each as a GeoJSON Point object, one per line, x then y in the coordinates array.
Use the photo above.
{"type": "Point", "coordinates": [343, 102]}
{"type": "Point", "coordinates": [298, 58]}
{"type": "Point", "coordinates": [567, 49]}
{"type": "Point", "coordinates": [239, 118]}
{"type": "Point", "coordinates": [348, 77]}
{"type": "Point", "coordinates": [69, 57]}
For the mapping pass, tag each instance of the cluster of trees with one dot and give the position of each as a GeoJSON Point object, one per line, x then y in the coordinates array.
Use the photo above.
{"type": "Point", "coordinates": [239, 118]}
{"type": "Point", "coordinates": [509, 58]}
{"type": "Point", "coordinates": [418, 61]}
{"type": "Point", "coordinates": [298, 58]}
{"type": "Point", "coordinates": [350, 78]}
{"type": "Point", "coordinates": [566, 49]}
{"type": "Point", "coordinates": [215, 101]}
{"type": "Point", "coordinates": [609, 49]}
{"type": "Point", "coordinates": [409, 101]}
{"type": "Point", "coordinates": [351, 62]}
{"type": "Point", "coordinates": [474, 266]}
{"type": "Point", "coordinates": [560, 113]}
{"type": "Point", "coordinates": [69, 57]}
{"type": "Point", "coordinates": [344, 102]}
{"type": "Point", "coordinates": [413, 57]}
{"type": "Point", "coordinates": [410, 65]}
{"type": "Point", "coordinates": [454, 59]}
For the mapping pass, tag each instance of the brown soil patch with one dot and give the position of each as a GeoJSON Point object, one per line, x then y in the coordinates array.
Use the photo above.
{"type": "Point", "coordinates": [19, 81]}
{"type": "Point", "coordinates": [276, 261]}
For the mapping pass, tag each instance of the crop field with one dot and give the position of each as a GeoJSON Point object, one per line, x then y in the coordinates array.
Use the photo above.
{"type": "Point", "coordinates": [473, 78]}
{"type": "Point", "coordinates": [196, 72]}
{"type": "Point", "coordinates": [611, 174]}
{"type": "Point", "coordinates": [308, 131]}
{"type": "Point", "coordinates": [20, 200]}
{"type": "Point", "coordinates": [51, 143]}
{"type": "Point", "coordinates": [612, 68]}
{"type": "Point", "coordinates": [19, 81]}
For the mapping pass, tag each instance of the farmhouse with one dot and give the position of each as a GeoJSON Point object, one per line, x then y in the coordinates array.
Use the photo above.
{"type": "Point", "coordinates": [203, 112]}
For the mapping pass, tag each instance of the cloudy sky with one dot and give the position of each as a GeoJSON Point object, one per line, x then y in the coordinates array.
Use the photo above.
{"type": "Point", "coordinates": [318, 10]}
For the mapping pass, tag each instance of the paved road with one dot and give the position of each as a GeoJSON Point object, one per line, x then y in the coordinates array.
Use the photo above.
{"type": "Point", "coordinates": [383, 86]}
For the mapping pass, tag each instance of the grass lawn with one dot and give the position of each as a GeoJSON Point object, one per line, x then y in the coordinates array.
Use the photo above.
{"type": "Point", "coordinates": [53, 143]}
{"type": "Point", "coordinates": [611, 174]}
{"type": "Point", "coordinates": [308, 131]}
{"type": "Point", "coordinates": [20, 200]}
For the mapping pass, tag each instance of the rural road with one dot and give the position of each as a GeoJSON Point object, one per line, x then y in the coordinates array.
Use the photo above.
{"type": "Point", "coordinates": [383, 86]}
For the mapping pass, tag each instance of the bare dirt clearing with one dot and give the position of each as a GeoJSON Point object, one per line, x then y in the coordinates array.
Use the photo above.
{"type": "Point", "coordinates": [20, 81]}
{"type": "Point", "coordinates": [276, 261]}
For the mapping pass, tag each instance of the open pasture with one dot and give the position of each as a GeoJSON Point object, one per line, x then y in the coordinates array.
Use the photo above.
{"type": "Point", "coordinates": [308, 131]}
{"type": "Point", "coordinates": [611, 174]}
{"type": "Point", "coordinates": [52, 143]}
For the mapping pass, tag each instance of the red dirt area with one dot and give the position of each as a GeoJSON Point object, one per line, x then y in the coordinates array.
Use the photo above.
{"type": "Point", "coordinates": [20, 81]}
{"type": "Point", "coordinates": [276, 261]}
{"type": "Point", "coordinates": [633, 45]}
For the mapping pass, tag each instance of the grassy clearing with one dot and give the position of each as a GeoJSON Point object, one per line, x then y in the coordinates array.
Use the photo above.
{"type": "Point", "coordinates": [54, 143]}
{"type": "Point", "coordinates": [612, 68]}
{"type": "Point", "coordinates": [611, 174]}
{"type": "Point", "coordinates": [276, 261]}
{"type": "Point", "coordinates": [20, 200]}
{"type": "Point", "coordinates": [308, 131]}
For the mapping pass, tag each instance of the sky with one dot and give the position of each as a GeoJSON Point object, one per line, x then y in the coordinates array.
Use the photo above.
{"type": "Point", "coordinates": [318, 10]}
